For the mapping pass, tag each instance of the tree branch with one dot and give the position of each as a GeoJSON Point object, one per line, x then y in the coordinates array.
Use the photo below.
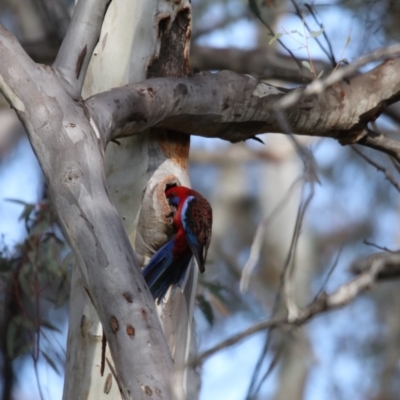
{"type": "Point", "coordinates": [377, 266]}
{"type": "Point", "coordinates": [12, 62]}
{"type": "Point", "coordinates": [319, 85]}
{"type": "Point", "coordinates": [77, 47]}
{"type": "Point", "coordinates": [261, 63]}
{"type": "Point", "coordinates": [71, 156]}
{"type": "Point", "coordinates": [381, 142]}
{"type": "Point", "coordinates": [235, 107]}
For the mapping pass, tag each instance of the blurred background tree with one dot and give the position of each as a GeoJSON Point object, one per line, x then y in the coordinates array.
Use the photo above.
{"type": "Point", "coordinates": [257, 193]}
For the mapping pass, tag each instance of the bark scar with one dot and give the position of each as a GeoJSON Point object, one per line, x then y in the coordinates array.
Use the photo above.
{"type": "Point", "coordinates": [128, 297]}
{"type": "Point", "coordinates": [114, 324]}
{"type": "Point", "coordinates": [79, 62]}
{"type": "Point", "coordinates": [103, 353]}
{"type": "Point", "coordinates": [108, 384]}
{"type": "Point", "coordinates": [130, 330]}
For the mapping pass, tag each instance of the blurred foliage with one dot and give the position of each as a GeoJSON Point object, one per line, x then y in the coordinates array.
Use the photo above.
{"type": "Point", "coordinates": [34, 281]}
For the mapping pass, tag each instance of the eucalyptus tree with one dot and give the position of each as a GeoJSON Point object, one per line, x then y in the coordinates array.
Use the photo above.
{"type": "Point", "coordinates": [110, 123]}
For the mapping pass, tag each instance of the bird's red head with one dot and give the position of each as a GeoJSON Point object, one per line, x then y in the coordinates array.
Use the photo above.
{"type": "Point", "coordinates": [177, 194]}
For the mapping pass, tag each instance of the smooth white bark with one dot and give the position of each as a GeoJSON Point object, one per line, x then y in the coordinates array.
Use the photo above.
{"type": "Point", "coordinates": [70, 153]}
{"type": "Point", "coordinates": [135, 170]}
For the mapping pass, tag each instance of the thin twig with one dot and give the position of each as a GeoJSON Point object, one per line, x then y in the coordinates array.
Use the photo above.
{"type": "Point", "coordinates": [288, 272]}
{"type": "Point", "coordinates": [383, 143]}
{"type": "Point", "coordinates": [221, 24]}
{"type": "Point", "coordinates": [395, 163]}
{"type": "Point", "coordinates": [340, 298]}
{"type": "Point", "coordinates": [298, 12]}
{"type": "Point", "coordinates": [259, 362]}
{"type": "Point", "coordinates": [331, 56]}
{"type": "Point", "coordinates": [252, 393]}
{"type": "Point", "coordinates": [379, 167]}
{"type": "Point", "coordinates": [254, 7]}
{"type": "Point", "coordinates": [273, 322]}
{"type": "Point", "coordinates": [259, 236]}
{"type": "Point", "coordinates": [311, 176]}
{"type": "Point", "coordinates": [303, 152]}
{"type": "Point", "coordinates": [39, 385]}
{"type": "Point", "coordinates": [330, 272]}
{"type": "Point", "coordinates": [384, 248]}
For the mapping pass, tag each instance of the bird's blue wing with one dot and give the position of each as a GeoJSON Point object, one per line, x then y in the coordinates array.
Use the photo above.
{"type": "Point", "coordinates": [163, 270]}
{"type": "Point", "coordinates": [158, 264]}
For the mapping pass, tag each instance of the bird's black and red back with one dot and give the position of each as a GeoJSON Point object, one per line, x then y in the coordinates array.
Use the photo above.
{"type": "Point", "coordinates": [197, 223]}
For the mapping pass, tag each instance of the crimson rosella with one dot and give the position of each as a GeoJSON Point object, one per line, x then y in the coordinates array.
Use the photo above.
{"type": "Point", "coordinates": [192, 234]}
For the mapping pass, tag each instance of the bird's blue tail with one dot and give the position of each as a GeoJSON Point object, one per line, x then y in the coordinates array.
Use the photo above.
{"type": "Point", "coordinates": [163, 270]}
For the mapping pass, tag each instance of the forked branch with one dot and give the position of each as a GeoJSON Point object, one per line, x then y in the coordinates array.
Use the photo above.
{"type": "Point", "coordinates": [77, 47]}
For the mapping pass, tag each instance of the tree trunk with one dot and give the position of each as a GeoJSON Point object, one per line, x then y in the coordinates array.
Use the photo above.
{"type": "Point", "coordinates": [137, 171]}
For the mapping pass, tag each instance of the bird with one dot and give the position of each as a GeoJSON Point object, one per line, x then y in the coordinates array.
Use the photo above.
{"type": "Point", "coordinates": [192, 223]}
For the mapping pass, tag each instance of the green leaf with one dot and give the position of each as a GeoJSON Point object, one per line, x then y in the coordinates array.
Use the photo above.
{"type": "Point", "coordinates": [25, 279]}
{"type": "Point", "coordinates": [11, 336]}
{"type": "Point", "coordinates": [39, 227]}
{"type": "Point", "coordinates": [62, 293]}
{"type": "Point", "coordinates": [217, 290]}
{"type": "Point", "coordinates": [25, 322]}
{"type": "Point", "coordinates": [50, 326]}
{"type": "Point", "coordinates": [28, 208]}
{"type": "Point", "coordinates": [206, 309]}
{"type": "Point", "coordinates": [51, 362]}
{"type": "Point", "coordinates": [315, 34]}
{"type": "Point", "coordinates": [67, 261]}
{"type": "Point", "coordinates": [5, 264]}
{"type": "Point", "coordinates": [26, 213]}
{"type": "Point", "coordinates": [16, 344]}
{"type": "Point", "coordinates": [52, 236]}
{"type": "Point", "coordinates": [275, 38]}
{"type": "Point", "coordinates": [16, 201]}
{"type": "Point", "coordinates": [307, 65]}
{"type": "Point", "coordinates": [213, 287]}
